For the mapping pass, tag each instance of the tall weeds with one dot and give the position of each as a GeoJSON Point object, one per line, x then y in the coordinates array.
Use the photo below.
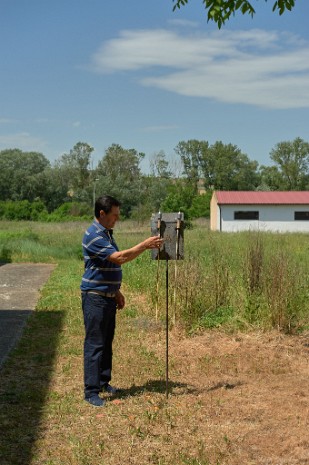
{"type": "Point", "coordinates": [233, 280]}
{"type": "Point", "coordinates": [283, 284]}
{"type": "Point", "coordinates": [252, 272]}
{"type": "Point", "coordinates": [253, 267]}
{"type": "Point", "coordinates": [236, 280]}
{"type": "Point", "coordinates": [275, 280]}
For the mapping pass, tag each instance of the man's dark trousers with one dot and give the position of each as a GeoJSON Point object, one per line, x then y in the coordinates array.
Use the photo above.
{"type": "Point", "coordinates": [99, 319]}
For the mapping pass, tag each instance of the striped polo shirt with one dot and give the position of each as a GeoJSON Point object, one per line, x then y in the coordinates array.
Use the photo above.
{"type": "Point", "coordinates": [100, 274]}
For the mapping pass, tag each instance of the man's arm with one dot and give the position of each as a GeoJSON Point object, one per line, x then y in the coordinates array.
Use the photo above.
{"type": "Point", "coordinates": [124, 256]}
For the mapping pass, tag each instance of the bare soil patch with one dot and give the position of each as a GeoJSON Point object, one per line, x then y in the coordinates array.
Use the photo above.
{"type": "Point", "coordinates": [246, 394]}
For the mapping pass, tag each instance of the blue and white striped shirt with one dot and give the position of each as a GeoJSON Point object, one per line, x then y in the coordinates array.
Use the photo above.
{"type": "Point", "coordinates": [100, 274]}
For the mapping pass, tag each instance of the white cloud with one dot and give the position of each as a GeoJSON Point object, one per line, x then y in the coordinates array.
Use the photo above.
{"type": "Point", "coordinates": [74, 124]}
{"type": "Point", "coordinates": [183, 23]}
{"type": "Point", "coordinates": [41, 120]}
{"type": "Point", "coordinates": [160, 128]}
{"type": "Point", "coordinates": [23, 141]}
{"type": "Point", "coordinates": [7, 121]}
{"type": "Point", "coordinates": [262, 68]}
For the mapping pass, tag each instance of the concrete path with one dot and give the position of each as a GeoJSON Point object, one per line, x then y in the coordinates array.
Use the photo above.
{"type": "Point", "coordinates": [19, 292]}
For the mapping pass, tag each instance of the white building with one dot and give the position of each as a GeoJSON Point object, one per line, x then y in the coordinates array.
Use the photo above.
{"type": "Point", "coordinates": [255, 210]}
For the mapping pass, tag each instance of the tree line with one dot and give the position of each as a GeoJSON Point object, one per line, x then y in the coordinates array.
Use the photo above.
{"type": "Point", "coordinates": [68, 186]}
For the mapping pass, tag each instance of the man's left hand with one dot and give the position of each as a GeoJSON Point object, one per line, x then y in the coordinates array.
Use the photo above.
{"type": "Point", "coordinates": [120, 300]}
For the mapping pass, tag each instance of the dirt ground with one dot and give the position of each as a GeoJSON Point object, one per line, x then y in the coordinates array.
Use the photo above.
{"type": "Point", "coordinates": [234, 399]}
{"type": "Point", "coordinates": [252, 390]}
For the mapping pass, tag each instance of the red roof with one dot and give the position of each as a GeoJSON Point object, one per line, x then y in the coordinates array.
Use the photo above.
{"type": "Point", "coordinates": [262, 197]}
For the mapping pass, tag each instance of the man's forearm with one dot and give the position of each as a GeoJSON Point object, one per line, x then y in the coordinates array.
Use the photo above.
{"type": "Point", "coordinates": [127, 255]}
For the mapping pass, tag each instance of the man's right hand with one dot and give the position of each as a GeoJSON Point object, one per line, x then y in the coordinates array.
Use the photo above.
{"type": "Point", "coordinates": [153, 242]}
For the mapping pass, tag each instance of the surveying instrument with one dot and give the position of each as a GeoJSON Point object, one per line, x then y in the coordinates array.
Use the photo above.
{"type": "Point", "coordinates": [170, 227]}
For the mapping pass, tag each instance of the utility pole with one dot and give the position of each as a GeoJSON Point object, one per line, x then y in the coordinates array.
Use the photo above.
{"type": "Point", "coordinates": [94, 194]}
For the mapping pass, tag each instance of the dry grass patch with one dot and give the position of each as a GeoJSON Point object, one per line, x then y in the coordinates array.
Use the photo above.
{"type": "Point", "coordinates": [234, 399]}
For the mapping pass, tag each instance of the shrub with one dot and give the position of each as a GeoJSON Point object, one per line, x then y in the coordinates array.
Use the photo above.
{"type": "Point", "coordinates": [200, 206]}
{"type": "Point", "coordinates": [69, 211]}
{"type": "Point", "coordinates": [21, 210]}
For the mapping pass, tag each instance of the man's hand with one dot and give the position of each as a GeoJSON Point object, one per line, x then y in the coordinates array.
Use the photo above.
{"type": "Point", "coordinates": [153, 242]}
{"type": "Point", "coordinates": [120, 300]}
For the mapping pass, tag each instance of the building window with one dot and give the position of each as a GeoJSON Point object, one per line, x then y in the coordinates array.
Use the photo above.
{"type": "Point", "coordinates": [246, 215]}
{"type": "Point", "coordinates": [301, 216]}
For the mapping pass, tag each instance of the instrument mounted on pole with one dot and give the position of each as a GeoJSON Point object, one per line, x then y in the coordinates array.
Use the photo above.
{"type": "Point", "coordinates": [170, 227]}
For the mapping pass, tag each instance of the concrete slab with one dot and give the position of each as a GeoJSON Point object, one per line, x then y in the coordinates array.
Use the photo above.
{"type": "Point", "coordinates": [20, 284]}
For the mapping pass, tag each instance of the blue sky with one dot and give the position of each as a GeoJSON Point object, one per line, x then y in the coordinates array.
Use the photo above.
{"type": "Point", "coordinates": [138, 74]}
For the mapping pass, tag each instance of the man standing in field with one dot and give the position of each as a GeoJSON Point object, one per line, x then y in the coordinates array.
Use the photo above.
{"type": "Point", "coordinates": [101, 295]}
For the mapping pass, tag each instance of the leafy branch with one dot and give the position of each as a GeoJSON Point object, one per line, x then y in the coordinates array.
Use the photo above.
{"type": "Point", "coordinates": [220, 11]}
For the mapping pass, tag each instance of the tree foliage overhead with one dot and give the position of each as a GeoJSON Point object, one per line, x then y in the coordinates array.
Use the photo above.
{"type": "Point", "coordinates": [220, 11]}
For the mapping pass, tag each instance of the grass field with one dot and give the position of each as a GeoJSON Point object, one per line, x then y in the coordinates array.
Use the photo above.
{"type": "Point", "coordinates": [238, 356]}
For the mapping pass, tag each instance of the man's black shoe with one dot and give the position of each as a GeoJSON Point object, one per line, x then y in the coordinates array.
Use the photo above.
{"type": "Point", "coordinates": [96, 401]}
{"type": "Point", "coordinates": [111, 390]}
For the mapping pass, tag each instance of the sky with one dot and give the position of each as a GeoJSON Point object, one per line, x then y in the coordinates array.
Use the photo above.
{"type": "Point", "coordinates": [138, 74]}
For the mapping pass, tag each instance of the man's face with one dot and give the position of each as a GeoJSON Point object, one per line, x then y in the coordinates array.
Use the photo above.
{"type": "Point", "coordinates": [108, 220]}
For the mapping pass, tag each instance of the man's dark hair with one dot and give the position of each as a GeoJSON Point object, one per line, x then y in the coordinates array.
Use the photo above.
{"type": "Point", "coordinates": [105, 203]}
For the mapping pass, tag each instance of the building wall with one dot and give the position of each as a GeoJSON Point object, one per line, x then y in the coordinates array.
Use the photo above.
{"type": "Point", "coordinates": [275, 218]}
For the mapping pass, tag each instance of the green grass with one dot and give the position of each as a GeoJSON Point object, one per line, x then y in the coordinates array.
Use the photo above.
{"type": "Point", "coordinates": [239, 281]}
{"type": "Point", "coordinates": [43, 420]}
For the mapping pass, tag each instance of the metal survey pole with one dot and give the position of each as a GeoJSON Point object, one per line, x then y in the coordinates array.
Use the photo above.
{"type": "Point", "coordinates": [166, 326]}
{"type": "Point", "coordinates": [159, 232]}
{"type": "Point", "coordinates": [170, 227]}
{"type": "Point", "coordinates": [178, 225]}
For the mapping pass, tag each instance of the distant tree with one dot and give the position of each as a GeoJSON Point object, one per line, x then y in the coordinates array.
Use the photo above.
{"type": "Point", "coordinates": [54, 189]}
{"type": "Point", "coordinates": [221, 166]}
{"type": "Point", "coordinates": [271, 179]}
{"type": "Point", "coordinates": [220, 11]}
{"type": "Point", "coordinates": [153, 191]}
{"type": "Point", "coordinates": [159, 165]}
{"type": "Point", "coordinates": [292, 163]}
{"type": "Point", "coordinates": [119, 175]}
{"type": "Point", "coordinates": [20, 173]}
{"type": "Point", "coordinates": [225, 167]}
{"type": "Point", "coordinates": [153, 187]}
{"type": "Point", "coordinates": [192, 153]}
{"type": "Point", "coordinates": [120, 163]}
{"type": "Point", "coordinates": [75, 169]}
